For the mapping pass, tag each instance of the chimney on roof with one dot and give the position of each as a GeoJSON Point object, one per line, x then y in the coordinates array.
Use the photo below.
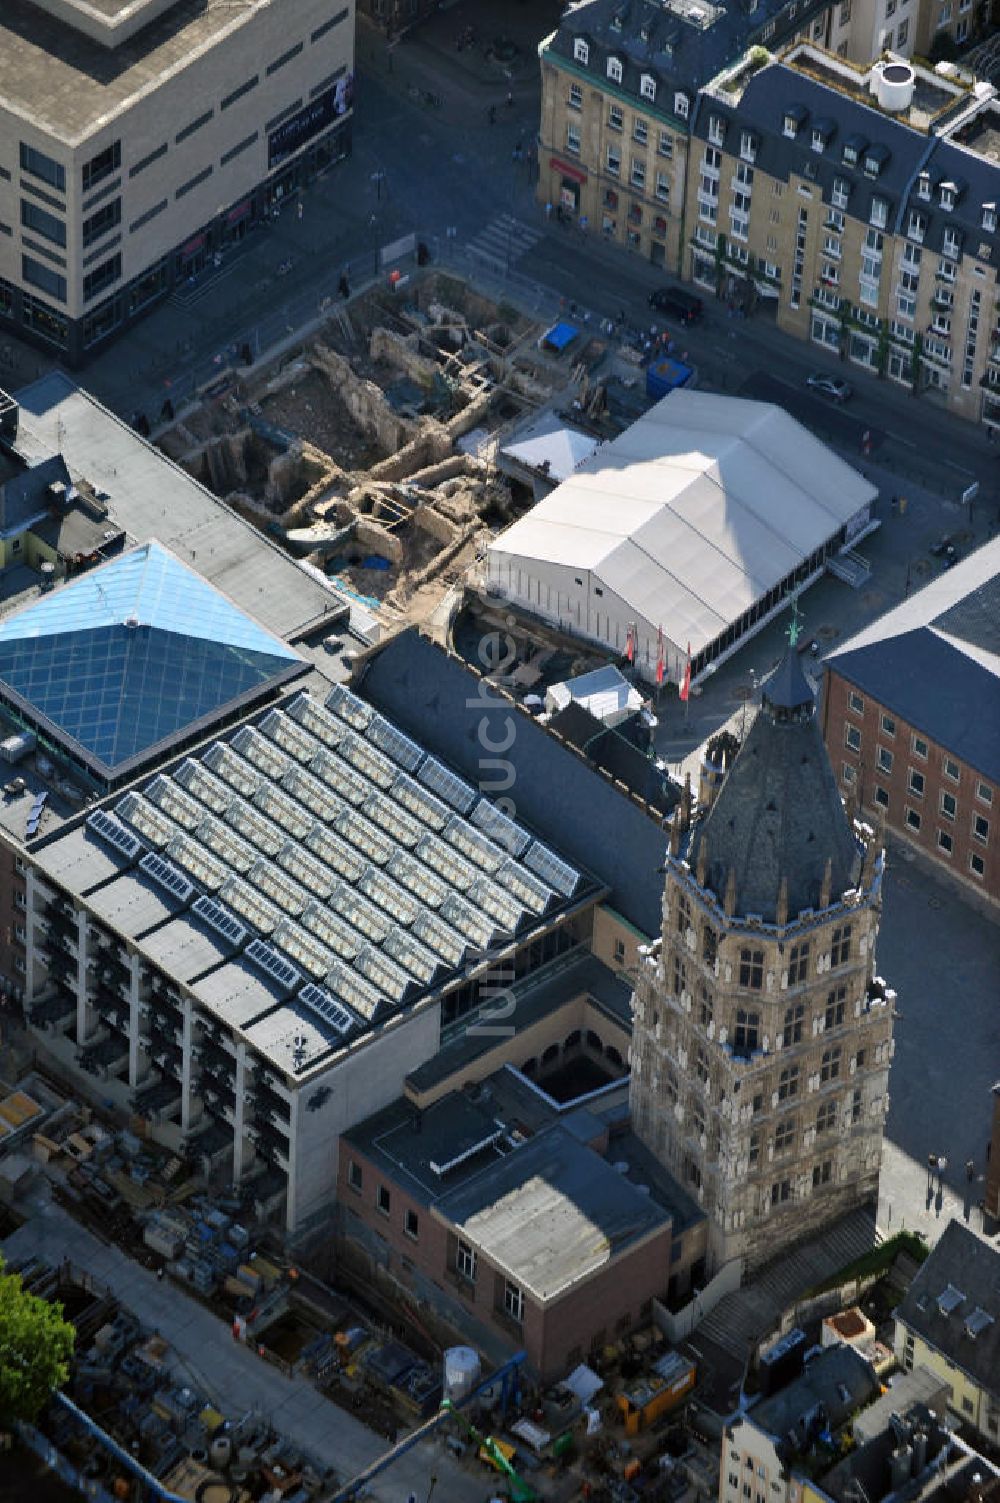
{"type": "Point", "coordinates": [702, 869]}
{"type": "Point", "coordinates": [675, 833]}
{"type": "Point", "coordinates": [729, 902]}
{"type": "Point", "coordinates": [781, 913]}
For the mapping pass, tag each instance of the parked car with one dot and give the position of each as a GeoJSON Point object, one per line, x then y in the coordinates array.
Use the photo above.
{"type": "Point", "coordinates": [678, 304]}
{"type": "Point", "coordinates": [834, 387]}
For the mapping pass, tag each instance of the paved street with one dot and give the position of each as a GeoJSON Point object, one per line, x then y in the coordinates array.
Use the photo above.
{"type": "Point", "coordinates": [230, 1373]}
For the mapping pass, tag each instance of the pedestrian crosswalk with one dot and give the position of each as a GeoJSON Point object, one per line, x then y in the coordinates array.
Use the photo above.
{"type": "Point", "coordinates": [503, 242]}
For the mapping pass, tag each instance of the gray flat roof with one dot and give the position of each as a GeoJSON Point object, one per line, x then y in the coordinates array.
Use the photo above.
{"type": "Point", "coordinates": [236, 994]}
{"type": "Point", "coordinates": [551, 1213]}
{"type": "Point", "coordinates": [184, 949]}
{"type": "Point", "coordinates": [132, 907]}
{"type": "Point", "coordinates": [534, 998]}
{"type": "Point", "coordinates": [152, 498]}
{"type": "Point", "coordinates": [71, 84]}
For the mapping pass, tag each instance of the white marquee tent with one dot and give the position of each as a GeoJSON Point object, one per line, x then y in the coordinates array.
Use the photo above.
{"type": "Point", "coordinates": [691, 527]}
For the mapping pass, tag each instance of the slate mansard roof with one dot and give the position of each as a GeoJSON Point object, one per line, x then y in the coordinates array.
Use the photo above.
{"type": "Point", "coordinates": [682, 44]}
{"type": "Point", "coordinates": [902, 151]}
{"type": "Point", "coordinates": [954, 1304]}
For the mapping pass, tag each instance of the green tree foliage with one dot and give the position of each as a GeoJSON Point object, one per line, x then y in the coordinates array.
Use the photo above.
{"type": "Point", "coordinates": [36, 1344]}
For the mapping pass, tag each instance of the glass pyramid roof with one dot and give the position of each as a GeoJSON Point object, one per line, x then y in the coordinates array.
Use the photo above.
{"type": "Point", "coordinates": [132, 656]}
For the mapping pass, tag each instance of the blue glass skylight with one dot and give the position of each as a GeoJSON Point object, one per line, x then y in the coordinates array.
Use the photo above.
{"type": "Point", "coordinates": [133, 655]}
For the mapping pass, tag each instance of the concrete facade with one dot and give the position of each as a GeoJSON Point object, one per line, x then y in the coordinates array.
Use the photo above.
{"type": "Point", "coordinates": [128, 170]}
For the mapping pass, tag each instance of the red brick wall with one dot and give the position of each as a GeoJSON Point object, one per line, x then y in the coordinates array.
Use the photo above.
{"type": "Point", "coordinates": [600, 1308]}
{"type": "Point", "coordinates": [873, 783]}
{"type": "Point", "coordinates": [12, 920]}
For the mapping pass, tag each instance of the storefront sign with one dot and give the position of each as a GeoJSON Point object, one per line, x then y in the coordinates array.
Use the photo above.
{"type": "Point", "coordinates": [309, 121]}
{"type": "Point", "coordinates": [193, 246]}
{"type": "Point", "coordinates": [567, 170]}
{"type": "Point", "coordinates": [240, 212]}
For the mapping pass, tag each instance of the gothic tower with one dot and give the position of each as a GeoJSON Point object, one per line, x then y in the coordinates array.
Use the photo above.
{"type": "Point", "coordinates": [762, 1036]}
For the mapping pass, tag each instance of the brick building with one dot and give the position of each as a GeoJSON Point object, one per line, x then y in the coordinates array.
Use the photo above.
{"type": "Point", "coordinates": [762, 1034]}
{"type": "Point", "coordinates": [911, 720]}
{"type": "Point", "coordinates": [513, 1220]}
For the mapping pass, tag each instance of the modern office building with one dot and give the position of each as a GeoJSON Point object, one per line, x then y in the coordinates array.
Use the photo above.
{"type": "Point", "coordinates": [910, 721]}
{"type": "Point", "coordinates": [762, 1033]}
{"type": "Point", "coordinates": [857, 206]}
{"type": "Point", "coordinates": [245, 903]}
{"type": "Point", "coordinates": [139, 140]}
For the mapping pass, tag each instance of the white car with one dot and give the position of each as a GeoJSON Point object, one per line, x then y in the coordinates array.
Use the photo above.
{"type": "Point", "coordinates": [834, 387]}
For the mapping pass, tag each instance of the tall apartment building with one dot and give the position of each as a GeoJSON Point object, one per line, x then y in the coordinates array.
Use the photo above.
{"type": "Point", "coordinates": [762, 1035]}
{"type": "Point", "coordinates": [859, 206]}
{"type": "Point", "coordinates": [140, 139]}
{"type": "Point", "coordinates": [619, 91]}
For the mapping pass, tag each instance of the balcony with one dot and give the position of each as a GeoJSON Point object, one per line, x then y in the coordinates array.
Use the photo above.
{"type": "Point", "coordinates": [53, 1009]}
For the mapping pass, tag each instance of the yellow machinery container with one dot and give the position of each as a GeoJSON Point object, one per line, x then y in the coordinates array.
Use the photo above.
{"type": "Point", "coordinates": [644, 1403]}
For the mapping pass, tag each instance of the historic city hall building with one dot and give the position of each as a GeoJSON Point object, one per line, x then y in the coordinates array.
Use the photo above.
{"type": "Point", "coordinates": [762, 1035]}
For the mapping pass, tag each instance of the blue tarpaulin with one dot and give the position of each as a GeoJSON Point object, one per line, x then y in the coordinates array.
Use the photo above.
{"type": "Point", "coordinates": [559, 336]}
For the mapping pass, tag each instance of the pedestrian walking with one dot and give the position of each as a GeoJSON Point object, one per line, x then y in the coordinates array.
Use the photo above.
{"type": "Point", "coordinates": [942, 1166]}
{"type": "Point", "coordinates": [510, 99]}
{"type": "Point", "coordinates": [931, 1166]}
{"type": "Point", "coordinates": [159, 1272]}
{"type": "Point", "coordinates": [300, 208]}
{"type": "Point", "coordinates": [970, 1170]}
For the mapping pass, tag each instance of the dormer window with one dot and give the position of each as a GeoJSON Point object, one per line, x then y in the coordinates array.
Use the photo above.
{"type": "Point", "coordinates": [817, 140]}
{"type": "Point", "coordinates": [854, 149]}
{"type": "Point", "coordinates": [581, 51]}
{"type": "Point", "coordinates": [681, 105]}
{"type": "Point", "coordinates": [615, 69]}
{"type": "Point", "coordinates": [989, 217]}
{"type": "Point", "coordinates": [851, 155]}
{"type": "Point", "coordinates": [924, 186]}
{"type": "Point", "coordinates": [644, 32]}
{"type": "Point", "coordinates": [791, 127]}
{"type": "Point", "coordinates": [647, 86]}
{"type": "Point", "coordinates": [872, 166]}
{"type": "Point", "coordinates": [716, 130]}
{"type": "Point", "coordinates": [947, 191]}
{"type": "Point", "coordinates": [748, 146]}
{"type": "Point", "coordinates": [616, 21]}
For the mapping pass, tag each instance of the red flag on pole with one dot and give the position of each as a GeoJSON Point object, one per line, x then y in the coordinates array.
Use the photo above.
{"type": "Point", "coordinates": [630, 643]}
{"type": "Point", "coordinates": [685, 688]}
{"type": "Point", "coordinates": [659, 670]}
{"type": "Point", "coordinates": [660, 667]}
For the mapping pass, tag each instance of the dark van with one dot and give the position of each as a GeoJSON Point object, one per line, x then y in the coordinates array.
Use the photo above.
{"type": "Point", "coordinates": [677, 304]}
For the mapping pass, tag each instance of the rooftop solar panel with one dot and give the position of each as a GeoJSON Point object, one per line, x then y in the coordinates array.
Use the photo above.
{"type": "Point", "coordinates": [355, 828]}
{"type": "Point", "coordinates": [440, 937]}
{"type": "Point", "coordinates": [110, 830]}
{"type": "Point", "coordinates": [250, 905]}
{"type": "Point", "coordinates": [341, 778]}
{"type": "Point", "coordinates": [304, 948]}
{"type": "Point", "coordinates": [475, 926]}
{"type": "Point", "coordinates": [291, 737]}
{"type": "Point", "coordinates": [312, 794]}
{"type": "Point", "coordinates": [369, 762]}
{"type": "Point", "coordinates": [410, 953]}
{"type": "Point", "coordinates": [166, 875]}
{"type": "Point", "coordinates": [217, 918]}
{"type": "Point", "coordinates": [390, 979]}
{"type": "Point", "coordinates": [221, 840]}
{"type": "Point", "coordinates": [335, 853]}
{"type": "Point", "coordinates": [197, 861]}
{"type": "Point", "coordinates": [182, 809]}
{"type": "Point", "coordinates": [430, 810]}
{"type": "Point", "coordinates": [383, 809]}
{"type": "Point", "coordinates": [305, 869]}
{"type": "Point", "coordinates": [274, 965]}
{"type": "Point", "coordinates": [260, 752]}
{"type": "Point", "coordinates": [530, 891]}
{"type": "Point", "coordinates": [500, 905]}
{"type": "Point", "coordinates": [473, 844]}
{"type": "Point", "coordinates": [323, 1003]}
{"type": "Point", "coordinates": [232, 769]}
{"type": "Point", "coordinates": [279, 887]}
{"type": "Point", "coordinates": [283, 810]}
